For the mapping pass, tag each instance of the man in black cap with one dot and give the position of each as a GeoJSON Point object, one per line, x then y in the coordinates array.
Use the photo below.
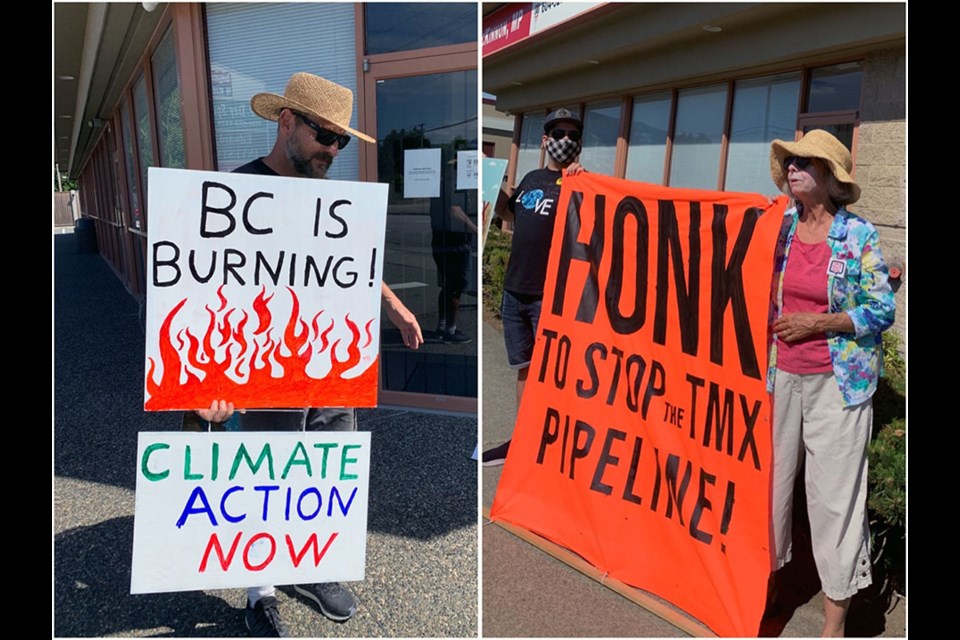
{"type": "Point", "coordinates": [532, 208]}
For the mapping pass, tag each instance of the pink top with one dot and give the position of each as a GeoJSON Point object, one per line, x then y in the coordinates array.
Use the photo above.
{"type": "Point", "coordinates": [805, 290]}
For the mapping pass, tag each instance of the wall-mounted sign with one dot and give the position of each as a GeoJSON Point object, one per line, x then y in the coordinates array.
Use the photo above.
{"type": "Point", "coordinates": [514, 22]}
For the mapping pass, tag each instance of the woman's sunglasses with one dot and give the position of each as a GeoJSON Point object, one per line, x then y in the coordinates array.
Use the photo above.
{"type": "Point", "coordinates": [797, 161]}
{"type": "Point", "coordinates": [326, 137]}
{"type": "Point", "coordinates": [560, 134]}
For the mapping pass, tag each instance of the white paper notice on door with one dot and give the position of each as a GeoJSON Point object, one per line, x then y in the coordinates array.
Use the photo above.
{"type": "Point", "coordinates": [421, 173]}
{"type": "Point", "coordinates": [467, 169]}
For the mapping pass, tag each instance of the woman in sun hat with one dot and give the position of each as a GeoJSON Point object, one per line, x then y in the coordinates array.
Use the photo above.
{"type": "Point", "coordinates": [831, 302]}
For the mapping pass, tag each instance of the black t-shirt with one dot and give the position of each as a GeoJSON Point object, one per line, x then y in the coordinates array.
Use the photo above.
{"type": "Point", "coordinates": [534, 205]}
{"type": "Point", "coordinates": [258, 167]}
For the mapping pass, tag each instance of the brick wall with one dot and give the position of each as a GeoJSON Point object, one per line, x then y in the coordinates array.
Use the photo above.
{"type": "Point", "coordinates": [881, 169]}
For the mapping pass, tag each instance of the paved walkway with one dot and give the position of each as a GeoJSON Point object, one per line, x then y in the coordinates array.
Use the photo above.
{"type": "Point", "coordinates": [527, 593]}
{"type": "Point", "coordinates": [421, 566]}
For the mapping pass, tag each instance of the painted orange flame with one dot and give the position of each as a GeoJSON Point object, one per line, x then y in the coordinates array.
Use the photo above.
{"type": "Point", "coordinates": [252, 361]}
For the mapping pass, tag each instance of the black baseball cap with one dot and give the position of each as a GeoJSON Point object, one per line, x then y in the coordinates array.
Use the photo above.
{"type": "Point", "coordinates": [558, 115]}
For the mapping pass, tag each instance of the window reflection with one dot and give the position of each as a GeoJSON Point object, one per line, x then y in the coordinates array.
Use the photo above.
{"type": "Point", "coordinates": [836, 88]}
{"type": "Point", "coordinates": [402, 26]}
{"type": "Point", "coordinates": [696, 141]}
{"type": "Point", "coordinates": [427, 136]}
{"type": "Point", "coordinates": [648, 138]}
{"type": "Point", "coordinates": [601, 128]}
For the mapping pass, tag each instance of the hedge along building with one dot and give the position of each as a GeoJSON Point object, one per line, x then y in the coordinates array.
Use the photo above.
{"type": "Point", "coordinates": [140, 85]}
{"type": "Point", "coordinates": [691, 95]}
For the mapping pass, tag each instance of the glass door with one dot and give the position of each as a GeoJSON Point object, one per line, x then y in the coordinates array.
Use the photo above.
{"type": "Point", "coordinates": [427, 140]}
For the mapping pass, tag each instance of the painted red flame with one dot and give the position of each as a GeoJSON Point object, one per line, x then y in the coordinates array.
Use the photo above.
{"type": "Point", "coordinates": [300, 344]}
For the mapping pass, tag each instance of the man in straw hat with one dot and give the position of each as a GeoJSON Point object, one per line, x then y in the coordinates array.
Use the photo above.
{"type": "Point", "coordinates": [313, 125]}
{"type": "Point", "coordinates": [313, 118]}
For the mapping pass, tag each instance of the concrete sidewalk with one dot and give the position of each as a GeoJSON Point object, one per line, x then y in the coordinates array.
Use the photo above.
{"type": "Point", "coordinates": [421, 570]}
{"type": "Point", "coordinates": [527, 593]}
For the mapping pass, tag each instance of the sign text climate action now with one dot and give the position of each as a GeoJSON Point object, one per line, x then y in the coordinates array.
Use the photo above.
{"type": "Point", "coordinates": [232, 509]}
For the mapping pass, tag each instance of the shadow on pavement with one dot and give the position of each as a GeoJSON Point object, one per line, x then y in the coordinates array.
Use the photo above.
{"type": "Point", "coordinates": [800, 584]}
{"type": "Point", "coordinates": [92, 591]}
{"type": "Point", "coordinates": [424, 484]}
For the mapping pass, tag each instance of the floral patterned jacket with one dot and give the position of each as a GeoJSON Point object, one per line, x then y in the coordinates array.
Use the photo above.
{"type": "Point", "coordinates": [857, 284]}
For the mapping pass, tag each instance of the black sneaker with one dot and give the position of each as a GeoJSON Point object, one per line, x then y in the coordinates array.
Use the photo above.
{"type": "Point", "coordinates": [496, 456]}
{"type": "Point", "coordinates": [335, 602]}
{"type": "Point", "coordinates": [456, 337]}
{"type": "Point", "coordinates": [263, 619]}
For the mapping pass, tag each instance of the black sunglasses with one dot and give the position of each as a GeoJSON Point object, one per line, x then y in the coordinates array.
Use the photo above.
{"type": "Point", "coordinates": [326, 137]}
{"type": "Point", "coordinates": [560, 134]}
{"type": "Point", "coordinates": [798, 161]}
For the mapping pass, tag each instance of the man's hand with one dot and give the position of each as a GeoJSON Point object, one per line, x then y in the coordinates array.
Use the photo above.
{"type": "Point", "coordinates": [575, 168]}
{"type": "Point", "coordinates": [219, 411]}
{"type": "Point", "coordinates": [402, 318]}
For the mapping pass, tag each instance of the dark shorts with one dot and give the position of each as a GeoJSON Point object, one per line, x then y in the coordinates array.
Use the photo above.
{"type": "Point", "coordinates": [520, 314]}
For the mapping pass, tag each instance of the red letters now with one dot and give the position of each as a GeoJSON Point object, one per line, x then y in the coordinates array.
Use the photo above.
{"type": "Point", "coordinates": [296, 557]}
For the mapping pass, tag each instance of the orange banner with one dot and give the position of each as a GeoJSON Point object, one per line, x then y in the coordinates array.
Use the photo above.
{"type": "Point", "coordinates": [643, 439]}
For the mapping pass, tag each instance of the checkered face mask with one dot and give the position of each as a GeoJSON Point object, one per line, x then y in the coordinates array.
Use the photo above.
{"type": "Point", "coordinates": [563, 151]}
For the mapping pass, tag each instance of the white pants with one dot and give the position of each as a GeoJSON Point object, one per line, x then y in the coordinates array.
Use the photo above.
{"type": "Point", "coordinates": [809, 419]}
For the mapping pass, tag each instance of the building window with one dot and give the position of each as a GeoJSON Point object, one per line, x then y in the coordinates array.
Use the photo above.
{"type": "Point", "coordinates": [166, 92]}
{"type": "Point", "coordinates": [760, 111]}
{"type": "Point", "coordinates": [649, 125]}
{"type": "Point", "coordinates": [129, 154]}
{"type": "Point", "coordinates": [531, 136]}
{"type": "Point", "coordinates": [697, 140]}
{"type": "Point", "coordinates": [764, 109]}
{"type": "Point", "coordinates": [257, 47]}
{"type": "Point", "coordinates": [833, 101]}
{"type": "Point", "coordinates": [141, 112]}
{"type": "Point", "coordinates": [836, 88]}
{"type": "Point", "coordinates": [404, 26]}
{"type": "Point", "coordinates": [601, 128]}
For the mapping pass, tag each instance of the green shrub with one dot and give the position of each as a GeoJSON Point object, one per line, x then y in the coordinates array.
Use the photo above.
{"type": "Point", "coordinates": [888, 474]}
{"type": "Point", "coordinates": [496, 254]}
{"type": "Point", "coordinates": [887, 478]}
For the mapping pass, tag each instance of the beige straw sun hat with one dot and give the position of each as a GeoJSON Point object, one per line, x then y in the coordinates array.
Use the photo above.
{"type": "Point", "coordinates": [815, 144]}
{"type": "Point", "coordinates": [312, 96]}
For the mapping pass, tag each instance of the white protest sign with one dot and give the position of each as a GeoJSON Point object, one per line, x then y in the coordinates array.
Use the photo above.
{"type": "Point", "coordinates": [228, 509]}
{"type": "Point", "coordinates": [493, 170]}
{"type": "Point", "coordinates": [262, 291]}
{"type": "Point", "coordinates": [421, 173]}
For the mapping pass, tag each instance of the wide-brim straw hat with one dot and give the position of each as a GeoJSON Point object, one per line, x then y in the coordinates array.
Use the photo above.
{"type": "Point", "coordinates": [815, 144]}
{"type": "Point", "coordinates": [312, 96]}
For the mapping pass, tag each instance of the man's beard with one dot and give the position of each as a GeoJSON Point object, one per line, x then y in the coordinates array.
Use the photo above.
{"type": "Point", "coordinates": [303, 164]}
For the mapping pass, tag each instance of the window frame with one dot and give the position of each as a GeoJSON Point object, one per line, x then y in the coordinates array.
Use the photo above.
{"type": "Point", "coordinates": [804, 119]}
